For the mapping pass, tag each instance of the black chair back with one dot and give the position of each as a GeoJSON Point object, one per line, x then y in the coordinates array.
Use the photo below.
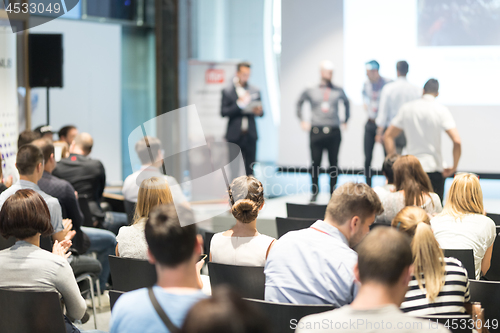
{"type": "Point", "coordinates": [495, 218]}
{"type": "Point", "coordinates": [282, 316]}
{"type": "Point", "coordinates": [6, 243]}
{"type": "Point", "coordinates": [286, 224]}
{"type": "Point", "coordinates": [488, 293]}
{"type": "Point", "coordinates": [130, 210]}
{"type": "Point", "coordinates": [493, 273]}
{"type": "Point", "coordinates": [130, 274]}
{"type": "Point", "coordinates": [24, 311]}
{"type": "Point", "coordinates": [248, 281]}
{"type": "Point", "coordinates": [206, 243]}
{"type": "Point", "coordinates": [316, 212]}
{"type": "Point", "coordinates": [462, 322]}
{"type": "Point", "coordinates": [88, 218]}
{"type": "Point", "coordinates": [466, 257]}
{"type": "Point", "coordinates": [113, 297]}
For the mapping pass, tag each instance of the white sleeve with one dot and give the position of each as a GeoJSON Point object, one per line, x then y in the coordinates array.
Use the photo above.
{"type": "Point", "coordinates": [67, 286]}
{"type": "Point", "coordinates": [398, 121]}
{"type": "Point", "coordinates": [447, 121]}
{"type": "Point", "coordinates": [381, 119]}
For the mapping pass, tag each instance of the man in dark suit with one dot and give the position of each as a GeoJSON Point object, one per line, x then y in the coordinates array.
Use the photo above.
{"type": "Point", "coordinates": [240, 102]}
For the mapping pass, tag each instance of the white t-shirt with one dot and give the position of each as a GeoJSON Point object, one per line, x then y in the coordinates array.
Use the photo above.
{"type": "Point", "coordinates": [423, 122]}
{"type": "Point", "coordinates": [242, 251]}
{"type": "Point", "coordinates": [132, 241]}
{"type": "Point", "coordinates": [473, 231]}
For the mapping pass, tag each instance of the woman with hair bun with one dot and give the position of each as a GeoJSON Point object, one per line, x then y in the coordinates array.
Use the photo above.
{"type": "Point", "coordinates": [242, 244]}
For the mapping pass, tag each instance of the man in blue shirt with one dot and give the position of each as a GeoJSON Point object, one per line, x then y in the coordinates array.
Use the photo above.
{"type": "Point", "coordinates": [315, 265]}
{"type": "Point", "coordinates": [175, 251]}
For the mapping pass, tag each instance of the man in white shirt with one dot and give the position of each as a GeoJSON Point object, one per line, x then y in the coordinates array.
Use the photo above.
{"type": "Point", "coordinates": [392, 97]}
{"type": "Point", "coordinates": [423, 121]}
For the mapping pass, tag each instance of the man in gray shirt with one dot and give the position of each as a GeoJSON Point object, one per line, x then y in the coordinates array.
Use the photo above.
{"type": "Point", "coordinates": [324, 126]}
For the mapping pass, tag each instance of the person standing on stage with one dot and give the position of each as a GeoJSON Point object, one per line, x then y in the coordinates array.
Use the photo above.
{"type": "Point", "coordinates": [371, 97]}
{"type": "Point", "coordinates": [240, 102]}
{"type": "Point", "coordinates": [423, 122]}
{"type": "Point", "coordinates": [393, 96]}
{"type": "Point", "coordinates": [324, 126]}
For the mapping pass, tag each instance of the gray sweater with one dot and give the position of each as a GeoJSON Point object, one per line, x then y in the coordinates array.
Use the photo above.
{"type": "Point", "coordinates": [316, 96]}
{"type": "Point", "coordinates": [25, 266]}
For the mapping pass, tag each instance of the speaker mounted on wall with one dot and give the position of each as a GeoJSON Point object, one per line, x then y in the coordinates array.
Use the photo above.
{"type": "Point", "coordinates": [46, 60]}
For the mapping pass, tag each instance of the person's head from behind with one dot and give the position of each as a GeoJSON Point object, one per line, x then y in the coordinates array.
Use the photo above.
{"type": "Point", "coordinates": [47, 148]}
{"type": "Point", "coordinates": [224, 312]}
{"type": "Point", "coordinates": [427, 254]}
{"type": "Point", "coordinates": [352, 209]}
{"type": "Point", "coordinates": [26, 137]}
{"type": "Point", "coordinates": [464, 196]}
{"type": "Point", "coordinates": [82, 144]}
{"type": "Point", "coordinates": [24, 215]}
{"type": "Point", "coordinates": [153, 191]}
{"type": "Point", "coordinates": [243, 72]}
{"type": "Point", "coordinates": [44, 131]}
{"type": "Point", "coordinates": [149, 147]}
{"type": "Point", "coordinates": [169, 244]}
{"type": "Point", "coordinates": [387, 167]}
{"type": "Point", "coordinates": [372, 68]}
{"type": "Point", "coordinates": [246, 196]}
{"type": "Point", "coordinates": [68, 134]}
{"type": "Point", "coordinates": [326, 68]}
{"type": "Point", "coordinates": [402, 68]}
{"type": "Point", "coordinates": [410, 177]}
{"type": "Point", "coordinates": [29, 162]}
{"type": "Point", "coordinates": [385, 260]}
{"type": "Point", "coordinates": [431, 87]}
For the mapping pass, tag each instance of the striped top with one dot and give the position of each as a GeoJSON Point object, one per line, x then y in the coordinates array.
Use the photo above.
{"type": "Point", "coordinates": [451, 298]}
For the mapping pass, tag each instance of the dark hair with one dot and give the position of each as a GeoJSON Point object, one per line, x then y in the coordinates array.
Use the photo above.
{"type": "Point", "coordinates": [147, 148]}
{"type": "Point", "coordinates": [64, 131]}
{"type": "Point", "coordinates": [46, 146]}
{"type": "Point", "coordinates": [225, 312]}
{"type": "Point", "coordinates": [410, 177]}
{"type": "Point", "coordinates": [243, 64]}
{"type": "Point", "coordinates": [351, 200]}
{"type": "Point", "coordinates": [383, 255]}
{"type": "Point", "coordinates": [24, 214]}
{"type": "Point", "coordinates": [246, 195]}
{"type": "Point", "coordinates": [28, 157]}
{"type": "Point", "coordinates": [169, 242]}
{"type": "Point", "coordinates": [387, 167]}
{"type": "Point", "coordinates": [402, 67]}
{"type": "Point", "coordinates": [374, 64]}
{"type": "Point", "coordinates": [431, 87]}
{"type": "Point", "coordinates": [26, 137]}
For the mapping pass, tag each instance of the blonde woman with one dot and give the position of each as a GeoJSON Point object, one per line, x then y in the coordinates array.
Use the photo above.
{"type": "Point", "coordinates": [131, 240]}
{"type": "Point", "coordinates": [434, 288]}
{"type": "Point", "coordinates": [243, 244]}
{"type": "Point", "coordinates": [463, 224]}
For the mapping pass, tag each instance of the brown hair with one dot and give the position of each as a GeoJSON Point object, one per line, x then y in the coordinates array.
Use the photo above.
{"type": "Point", "coordinates": [383, 255]}
{"type": "Point", "coordinates": [24, 214]}
{"type": "Point", "coordinates": [428, 258]}
{"type": "Point", "coordinates": [46, 146]}
{"type": "Point", "coordinates": [153, 191]}
{"type": "Point", "coordinates": [351, 200]}
{"type": "Point", "coordinates": [26, 137]}
{"type": "Point", "coordinates": [246, 195]}
{"type": "Point", "coordinates": [84, 141]}
{"type": "Point", "coordinates": [410, 177]}
{"type": "Point", "coordinates": [27, 159]}
{"type": "Point", "coordinates": [464, 197]}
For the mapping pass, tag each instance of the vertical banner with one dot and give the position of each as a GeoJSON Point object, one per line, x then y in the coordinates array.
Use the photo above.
{"type": "Point", "coordinates": [8, 101]}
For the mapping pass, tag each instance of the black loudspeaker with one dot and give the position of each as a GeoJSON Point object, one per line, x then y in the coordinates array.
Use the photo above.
{"type": "Point", "coordinates": [46, 60]}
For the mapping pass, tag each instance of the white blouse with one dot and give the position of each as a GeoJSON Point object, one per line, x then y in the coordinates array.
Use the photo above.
{"type": "Point", "coordinates": [242, 251]}
{"type": "Point", "coordinates": [132, 241]}
{"type": "Point", "coordinates": [394, 202]}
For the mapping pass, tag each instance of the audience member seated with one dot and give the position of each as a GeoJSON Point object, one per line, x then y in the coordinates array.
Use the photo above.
{"type": "Point", "coordinates": [175, 252]}
{"type": "Point", "coordinates": [384, 269]}
{"type": "Point", "coordinates": [87, 239]}
{"type": "Point", "coordinates": [68, 134]}
{"type": "Point", "coordinates": [26, 137]}
{"type": "Point", "coordinates": [25, 266]}
{"type": "Point", "coordinates": [131, 239]}
{"type": "Point", "coordinates": [45, 131]}
{"type": "Point", "coordinates": [389, 186]}
{"type": "Point", "coordinates": [413, 188]}
{"type": "Point", "coordinates": [4, 183]}
{"type": "Point", "coordinates": [242, 244]}
{"type": "Point", "coordinates": [463, 224]}
{"type": "Point", "coordinates": [88, 177]}
{"type": "Point", "coordinates": [315, 265]}
{"type": "Point", "coordinates": [435, 288]}
{"type": "Point", "coordinates": [147, 148]}
{"type": "Point", "coordinates": [224, 312]}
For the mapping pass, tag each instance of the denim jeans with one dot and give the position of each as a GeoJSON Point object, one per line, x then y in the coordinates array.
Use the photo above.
{"type": "Point", "coordinates": [113, 221]}
{"type": "Point", "coordinates": [103, 242]}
